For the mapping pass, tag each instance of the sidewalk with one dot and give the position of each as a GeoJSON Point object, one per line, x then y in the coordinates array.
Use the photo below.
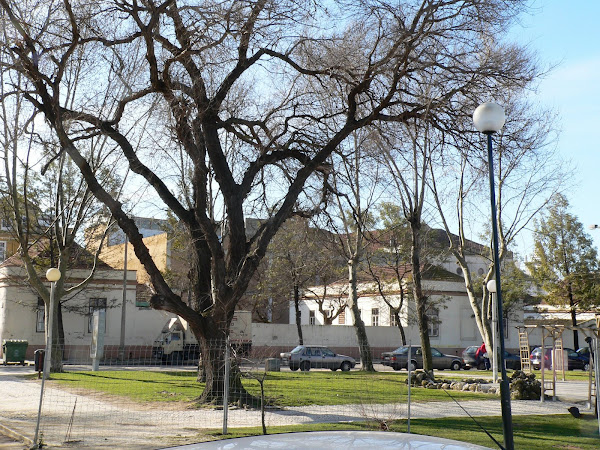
{"type": "Point", "coordinates": [90, 420]}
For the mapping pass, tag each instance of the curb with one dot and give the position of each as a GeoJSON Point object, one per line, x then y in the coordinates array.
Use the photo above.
{"type": "Point", "coordinates": [16, 435]}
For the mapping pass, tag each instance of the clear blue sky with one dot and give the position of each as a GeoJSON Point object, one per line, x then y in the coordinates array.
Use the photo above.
{"type": "Point", "coordinates": [567, 33]}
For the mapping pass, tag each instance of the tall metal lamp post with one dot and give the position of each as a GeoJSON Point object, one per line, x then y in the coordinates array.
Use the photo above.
{"type": "Point", "coordinates": [489, 118]}
{"type": "Point", "coordinates": [52, 275]}
{"type": "Point", "coordinates": [491, 287]}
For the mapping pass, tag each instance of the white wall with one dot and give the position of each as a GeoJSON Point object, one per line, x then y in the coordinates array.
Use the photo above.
{"type": "Point", "coordinates": [18, 312]}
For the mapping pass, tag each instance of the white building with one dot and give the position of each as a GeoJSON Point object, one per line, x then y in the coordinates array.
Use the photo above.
{"type": "Point", "coordinates": [22, 313]}
{"type": "Point", "coordinates": [452, 324]}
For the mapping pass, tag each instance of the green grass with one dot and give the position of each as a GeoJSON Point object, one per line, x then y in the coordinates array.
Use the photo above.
{"type": "Point", "coordinates": [530, 432]}
{"type": "Point", "coordinates": [281, 388]}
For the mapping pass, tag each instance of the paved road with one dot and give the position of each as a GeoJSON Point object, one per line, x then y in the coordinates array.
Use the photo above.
{"type": "Point", "coordinates": [87, 419]}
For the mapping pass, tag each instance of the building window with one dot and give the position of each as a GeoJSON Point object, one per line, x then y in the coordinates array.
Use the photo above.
{"type": "Point", "coordinates": [393, 322]}
{"type": "Point", "coordinates": [311, 317]}
{"type": "Point", "coordinates": [95, 304]}
{"type": "Point", "coordinates": [375, 317]}
{"type": "Point", "coordinates": [2, 251]}
{"type": "Point", "coordinates": [342, 318]}
{"type": "Point", "coordinates": [433, 322]}
{"type": "Point", "coordinates": [40, 316]}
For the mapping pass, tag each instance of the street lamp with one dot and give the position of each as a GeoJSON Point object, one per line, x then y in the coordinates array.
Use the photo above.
{"type": "Point", "coordinates": [489, 118]}
{"type": "Point", "coordinates": [491, 287]}
{"type": "Point", "coordinates": [52, 275]}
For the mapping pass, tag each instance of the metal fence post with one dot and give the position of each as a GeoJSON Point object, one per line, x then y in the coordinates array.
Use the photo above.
{"type": "Point", "coordinates": [409, 383]}
{"type": "Point", "coordinates": [597, 375]}
{"type": "Point", "coordinates": [226, 387]}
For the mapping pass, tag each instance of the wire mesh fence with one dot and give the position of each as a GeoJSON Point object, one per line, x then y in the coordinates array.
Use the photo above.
{"type": "Point", "coordinates": [150, 397]}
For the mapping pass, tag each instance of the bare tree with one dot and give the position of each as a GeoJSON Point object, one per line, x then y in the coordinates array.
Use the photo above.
{"type": "Point", "coordinates": [252, 97]}
{"type": "Point", "coordinates": [527, 175]}
{"type": "Point", "coordinates": [408, 166]}
{"type": "Point", "coordinates": [355, 184]}
{"type": "Point", "coordinates": [46, 214]}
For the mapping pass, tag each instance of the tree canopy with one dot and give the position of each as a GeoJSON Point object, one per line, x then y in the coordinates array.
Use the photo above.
{"type": "Point", "coordinates": [565, 261]}
{"type": "Point", "coordinates": [232, 109]}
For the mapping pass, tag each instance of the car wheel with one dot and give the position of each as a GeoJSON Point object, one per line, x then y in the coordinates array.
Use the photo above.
{"type": "Point", "coordinates": [396, 367]}
{"type": "Point", "coordinates": [293, 368]}
{"type": "Point", "coordinates": [455, 365]}
{"type": "Point", "coordinates": [467, 367]}
{"type": "Point", "coordinates": [305, 366]}
{"type": "Point", "coordinates": [413, 366]}
{"type": "Point", "coordinates": [345, 366]}
{"type": "Point", "coordinates": [481, 366]}
{"type": "Point", "coordinates": [333, 369]}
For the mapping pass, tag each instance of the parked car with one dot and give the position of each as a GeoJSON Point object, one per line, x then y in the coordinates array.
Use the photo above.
{"type": "Point", "coordinates": [398, 359]}
{"type": "Point", "coordinates": [511, 361]}
{"type": "Point", "coordinates": [306, 357]}
{"type": "Point", "coordinates": [575, 359]}
{"type": "Point", "coordinates": [469, 359]}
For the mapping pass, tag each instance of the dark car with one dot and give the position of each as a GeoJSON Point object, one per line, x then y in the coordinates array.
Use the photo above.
{"type": "Point", "coordinates": [398, 359]}
{"type": "Point", "coordinates": [511, 361]}
{"type": "Point", "coordinates": [470, 360]}
{"type": "Point", "coordinates": [575, 359]}
{"type": "Point", "coordinates": [306, 357]}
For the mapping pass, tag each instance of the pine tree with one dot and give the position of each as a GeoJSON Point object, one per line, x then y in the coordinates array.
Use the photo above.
{"type": "Point", "coordinates": [565, 262]}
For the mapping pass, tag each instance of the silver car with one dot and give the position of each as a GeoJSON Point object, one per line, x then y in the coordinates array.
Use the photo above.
{"type": "Point", "coordinates": [399, 357]}
{"type": "Point", "coordinates": [305, 357]}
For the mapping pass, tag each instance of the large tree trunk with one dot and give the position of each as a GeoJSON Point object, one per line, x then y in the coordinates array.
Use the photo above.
{"type": "Point", "coordinates": [57, 343]}
{"type": "Point", "coordinates": [298, 314]}
{"type": "Point", "coordinates": [420, 298]}
{"type": "Point", "coordinates": [58, 346]}
{"type": "Point", "coordinates": [361, 333]}
{"type": "Point", "coordinates": [573, 317]}
{"type": "Point", "coordinates": [213, 351]}
{"type": "Point", "coordinates": [400, 328]}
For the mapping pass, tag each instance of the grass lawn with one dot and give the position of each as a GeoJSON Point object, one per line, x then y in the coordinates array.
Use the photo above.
{"type": "Point", "coordinates": [281, 388]}
{"type": "Point", "coordinates": [530, 432]}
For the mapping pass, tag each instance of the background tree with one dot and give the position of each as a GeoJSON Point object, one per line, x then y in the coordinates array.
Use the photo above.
{"type": "Point", "coordinates": [407, 152]}
{"type": "Point", "coordinates": [46, 214]}
{"type": "Point", "coordinates": [565, 262]}
{"type": "Point", "coordinates": [355, 184]}
{"type": "Point", "coordinates": [253, 97]}
{"type": "Point", "coordinates": [297, 258]}
{"type": "Point", "coordinates": [527, 174]}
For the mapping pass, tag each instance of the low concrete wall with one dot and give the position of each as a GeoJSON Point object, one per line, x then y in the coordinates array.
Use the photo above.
{"type": "Point", "coordinates": [268, 340]}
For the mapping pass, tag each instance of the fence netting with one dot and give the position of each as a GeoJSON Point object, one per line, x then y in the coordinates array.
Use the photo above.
{"type": "Point", "coordinates": [140, 397]}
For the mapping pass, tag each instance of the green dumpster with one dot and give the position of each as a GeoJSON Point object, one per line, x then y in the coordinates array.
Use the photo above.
{"type": "Point", "coordinates": [14, 350]}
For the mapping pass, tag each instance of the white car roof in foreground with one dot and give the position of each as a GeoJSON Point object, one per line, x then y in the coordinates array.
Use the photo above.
{"type": "Point", "coordinates": [336, 440]}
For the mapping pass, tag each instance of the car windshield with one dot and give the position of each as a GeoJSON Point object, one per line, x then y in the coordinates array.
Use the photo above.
{"type": "Point", "coordinates": [401, 350]}
{"type": "Point", "coordinates": [297, 349]}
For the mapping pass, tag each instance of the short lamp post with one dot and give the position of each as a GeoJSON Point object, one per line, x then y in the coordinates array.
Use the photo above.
{"type": "Point", "coordinates": [52, 275]}
{"type": "Point", "coordinates": [489, 118]}
{"type": "Point", "coordinates": [491, 287]}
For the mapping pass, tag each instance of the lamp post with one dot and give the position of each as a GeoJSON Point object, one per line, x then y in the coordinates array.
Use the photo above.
{"type": "Point", "coordinates": [489, 118]}
{"type": "Point", "coordinates": [491, 287]}
{"type": "Point", "coordinates": [52, 275]}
